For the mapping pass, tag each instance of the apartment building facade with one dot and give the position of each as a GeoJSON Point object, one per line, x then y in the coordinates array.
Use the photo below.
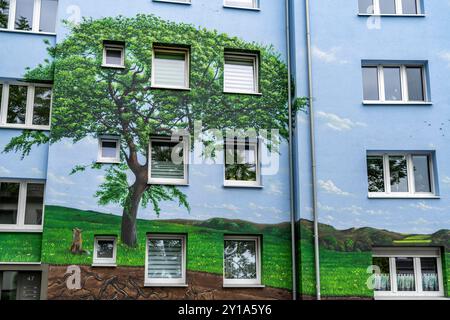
{"type": "Point", "coordinates": [146, 149]}
{"type": "Point", "coordinates": [379, 106]}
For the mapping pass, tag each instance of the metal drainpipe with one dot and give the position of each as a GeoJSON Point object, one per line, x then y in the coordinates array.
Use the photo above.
{"type": "Point", "coordinates": [312, 150]}
{"type": "Point", "coordinates": [291, 154]}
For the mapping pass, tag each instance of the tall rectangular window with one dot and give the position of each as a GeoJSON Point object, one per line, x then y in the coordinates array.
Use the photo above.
{"type": "Point", "coordinates": [241, 73]}
{"type": "Point", "coordinates": [394, 84]}
{"type": "Point", "coordinates": [170, 68]}
{"type": "Point", "coordinates": [242, 3]}
{"type": "Point", "coordinates": [407, 272]}
{"type": "Point", "coordinates": [165, 260]}
{"type": "Point", "coordinates": [390, 7]}
{"type": "Point", "coordinates": [242, 260]}
{"type": "Point", "coordinates": [25, 106]}
{"type": "Point", "coordinates": [28, 15]}
{"type": "Point", "coordinates": [168, 160]}
{"type": "Point", "coordinates": [21, 205]}
{"type": "Point", "coordinates": [400, 175]}
{"type": "Point", "coordinates": [242, 163]}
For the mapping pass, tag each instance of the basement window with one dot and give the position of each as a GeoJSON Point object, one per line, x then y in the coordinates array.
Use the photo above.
{"type": "Point", "coordinates": [105, 251]}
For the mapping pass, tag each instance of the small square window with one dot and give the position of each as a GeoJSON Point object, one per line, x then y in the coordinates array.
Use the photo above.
{"type": "Point", "coordinates": [168, 160]}
{"type": "Point", "coordinates": [242, 163]}
{"type": "Point", "coordinates": [114, 56]}
{"type": "Point", "coordinates": [170, 68]}
{"type": "Point", "coordinates": [165, 262]}
{"type": "Point", "coordinates": [242, 261]}
{"type": "Point", "coordinates": [105, 248]}
{"type": "Point", "coordinates": [253, 4]}
{"type": "Point", "coordinates": [241, 73]}
{"type": "Point", "coordinates": [108, 149]}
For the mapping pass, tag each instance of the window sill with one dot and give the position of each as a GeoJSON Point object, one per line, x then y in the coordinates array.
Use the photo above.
{"type": "Point", "coordinates": [24, 127]}
{"type": "Point", "coordinates": [14, 229]}
{"type": "Point", "coordinates": [104, 265]}
{"type": "Point", "coordinates": [108, 162]}
{"type": "Point", "coordinates": [255, 286]}
{"type": "Point", "coordinates": [173, 1]}
{"type": "Point", "coordinates": [232, 185]}
{"type": "Point", "coordinates": [418, 297]}
{"type": "Point", "coordinates": [171, 88]}
{"type": "Point", "coordinates": [390, 196]}
{"type": "Point", "coordinates": [258, 94]}
{"type": "Point", "coordinates": [20, 263]}
{"type": "Point", "coordinates": [419, 15]}
{"type": "Point", "coordinates": [29, 32]}
{"type": "Point", "coordinates": [242, 8]}
{"type": "Point", "coordinates": [110, 66]}
{"type": "Point", "coordinates": [392, 103]}
{"type": "Point", "coordinates": [168, 183]}
{"type": "Point", "coordinates": [172, 285]}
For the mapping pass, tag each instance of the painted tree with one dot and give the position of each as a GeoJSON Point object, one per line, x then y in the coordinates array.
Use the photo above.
{"type": "Point", "coordinates": [4, 10]}
{"type": "Point", "coordinates": [90, 100]}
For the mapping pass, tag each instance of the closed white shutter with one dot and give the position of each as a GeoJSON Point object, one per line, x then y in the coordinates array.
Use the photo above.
{"type": "Point", "coordinates": [242, 3]}
{"type": "Point", "coordinates": [170, 69]}
{"type": "Point", "coordinates": [165, 258]}
{"type": "Point", "coordinates": [240, 74]}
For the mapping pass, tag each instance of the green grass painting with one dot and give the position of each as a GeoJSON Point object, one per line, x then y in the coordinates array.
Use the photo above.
{"type": "Point", "coordinates": [20, 247]}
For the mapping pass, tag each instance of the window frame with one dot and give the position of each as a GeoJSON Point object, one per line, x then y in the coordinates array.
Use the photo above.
{"type": "Point", "coordinates": [105, 262]}
{"type": "Point", "coordinates": [186, 151]}
{"type": "Point", "coordinates": [245, 282]}
{"type": "Point", "coordinates": [416, 254]}
{"type": "Point", "coordinates": [20, 225]}
{"type": "Point", "coordinates": [398, 10]}
{"type": "Point", "coordinates": [242, 183]}
{"type": "Point", "coordinates": [118, 47]}
{"type": "Point", "coordinates": [187, 61]}
{"type": "Point", "coordinates": [31, 90]}
{"type": "Point", "coordinates": [403, 84]}
{"type": "Point", "coordinates": [256, 5]}
{"type": "Point", "coordinates": [167, 282]}
{"type": "Point", "coordinates": [410, 175]}
{"type": "Point", "coordinates": [243, 56]}
{"type": "Point", "coordinates": [100, 158]}
{"type": "Point", "coordinates": [37, 5]}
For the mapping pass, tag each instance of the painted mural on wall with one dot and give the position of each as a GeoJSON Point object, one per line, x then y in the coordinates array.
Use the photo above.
{"type": "Point", "coordinates": [86, 198]}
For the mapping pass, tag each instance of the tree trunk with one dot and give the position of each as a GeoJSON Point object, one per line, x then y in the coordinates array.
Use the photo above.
{"type": "Point", "coordinates": [129, 216]}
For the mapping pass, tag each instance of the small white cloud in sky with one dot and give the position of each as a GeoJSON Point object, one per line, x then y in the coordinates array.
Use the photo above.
{"type": "Point", "coordinates": [423, 206]}
{"type": "Point", "coordinates": [337, 123]}
{"type": "Point", "coordinates": [329, 187]}
{"type": "Point", "coordinates": [3, 170]}
{"type": "Point", "coordinates": [36, 171]}
{"type": "Point", "coordinates": [445, 55]}
{"type": "Point", "coordinates": [328, 56]}
{"type": "Point", "coordinates": [60, 179]}
{"type": "Point", "coordinates": [446, 180]}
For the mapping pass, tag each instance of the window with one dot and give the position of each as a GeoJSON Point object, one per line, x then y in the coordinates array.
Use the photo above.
{"type": "Point", "coordinates": [28, 15]}
{"type": "Point", "coordinates": [170, 68]}
{"type": "Point", "coordinates": [168, 160]}
{"type": "Point", "coordinates": [105, 251]}
{"type": "Point", "coordinates": [400, 174]}
{"type": "Point", "coordinates": [25, 106]}
{"type": "Point", "coordinates": [165, 261]}
{"type": "Point", "coordinates": [241, 73]}
{"type": "Point", "coordinates": [407, 272]}
{"type": "Point", "coordinates": [242, 261]}
{"type": "Point", "coordinates": [242, 163]}
{"type": "Point", "coordinates": [21, 205]}
{"type": "Point", "coordinates": [390, 7]}
{"type": "Point", "coordinates": [394, 84]}
{"type": "Point", "coordinates": [252, 4]}
{"type": "Point", "coordinates": [108, 149]}
{"type": "Point", "coordinates": [20, 285]}
{"type": "Point", "coordinates": [113, 55]}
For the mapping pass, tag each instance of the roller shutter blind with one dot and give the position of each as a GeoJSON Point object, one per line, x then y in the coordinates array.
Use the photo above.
{"type": "Point", "coordinates": [240, 74]}
{"type": "Point", "coordinates": [242, 3]}
{"type": "Point", "coordinates": [165, 258]}
{"type": "Point", "coordinates": [170, 69]}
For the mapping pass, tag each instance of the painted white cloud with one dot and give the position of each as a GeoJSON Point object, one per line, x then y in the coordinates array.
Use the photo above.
{"type": "Point", "coordinates": [329, 187]}
{"type": "Point", "coordinates": [328, 56]}
{"type": "Point", "coordinates": [3, 170]}
{"type": "Point", "coordinates": [265, 209]}
{"type": "Point", "coordinates": [60, 179]}
{"type": "Point", "coordinates": [337, 123]}
{"type": "Point", "coordinates": [445, 55]}
{"type": "Point", "coordinates": [36, 171]}
{"type": "Point", "coordinates": [446, 180]}
{"type": "Point", "coordinates": [423, 206]}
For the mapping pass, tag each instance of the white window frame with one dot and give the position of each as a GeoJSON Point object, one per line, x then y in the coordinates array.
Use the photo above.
{"type": "Point", "coordinates": [255, 5]}
{"type": "Point", "coordinates": [20, 225]}
{"type": "Point", "coordinates": [36, 18]}
{"type": "Point", "coordinates": [244, 57]}
{"type": "Point", "coordinates": [398, 9]}
{"type": "Point", "coordinates": [240, 183]}
{"type": "Point", "coordinates": [165, 282]}
{"type": "Point", "coordinates": [416, 254]}
{"type": "Point", "coordinates": [100, 158]}
{"type": "Point", "coordinates": [116, 47]}
{"type": "Point", "coordinates": [403, 84]}
{"type": "Point", "coordinates": [187, 60]}
{"type": "Point", "coordinates": [174, 1]}
{"type": "Point", "coordinates": [105, 262]}
{"type": "Point", "coordinates": [169, 181]}
{"type": "Point", "coordinates": [410, 175]}
{"type": "Point", "coordinates": [29, 106]}
{"type": "Point", "coordinates": [244, 282]}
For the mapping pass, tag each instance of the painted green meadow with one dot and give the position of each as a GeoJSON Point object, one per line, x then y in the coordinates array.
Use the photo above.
{"type": "Point", "coordinates": [20, 247]}
{"type": "Point", "coordinates": [205, 244]}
